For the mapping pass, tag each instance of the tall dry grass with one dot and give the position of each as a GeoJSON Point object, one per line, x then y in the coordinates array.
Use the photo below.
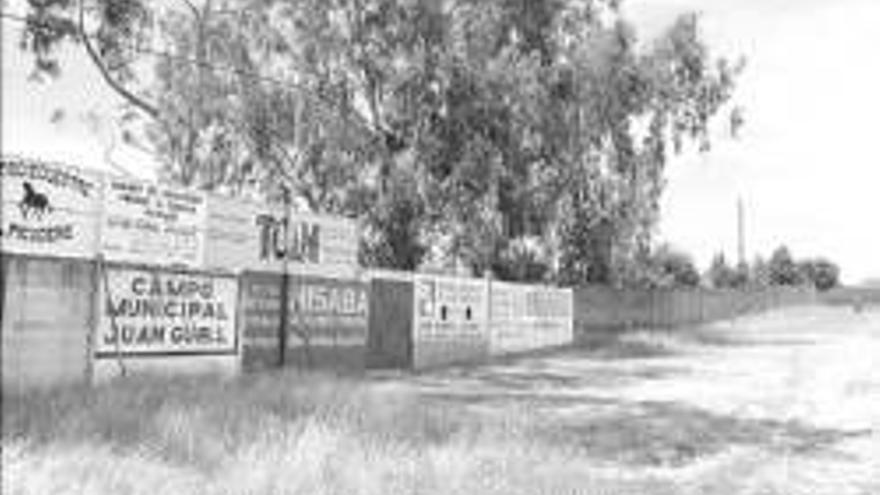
{"type": "Point", "coordinates": [280, 434]}
{"type": "Point", "coordinates": [289, 433]}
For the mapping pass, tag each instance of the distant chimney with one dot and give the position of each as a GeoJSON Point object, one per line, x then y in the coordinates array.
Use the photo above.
{"type": "Point", "coordinates": [741, 231]}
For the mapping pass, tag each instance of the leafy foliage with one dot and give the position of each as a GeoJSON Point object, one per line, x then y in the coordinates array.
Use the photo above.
{"type": "Point", "coordinates": [783, 269]}
{"type": "Point", "coordinates": [723, 276]}
{"type": "Point", "coordinates": [821, 273]}
{"type": "Point", "coordinates": [476, 126]}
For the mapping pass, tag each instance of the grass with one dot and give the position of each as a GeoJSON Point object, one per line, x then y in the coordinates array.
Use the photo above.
{"type": "Point", "coordinates": [292, 433]}
{"type": "Point", "coordinates": [273, 434]}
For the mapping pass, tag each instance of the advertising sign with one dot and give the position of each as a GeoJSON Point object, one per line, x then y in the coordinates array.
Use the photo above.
{"type": "Point", "coordinates": [162, 313]}
{"type": "Point", "coordinates": [242, 235]}
{"type": "Point", "coordinates": [436, 303]}
{"type": "Point", "coordinates": [449, 308]}
{"type": "Point", "coordinates": [528, 317]}
{"type": "Point", "coordinates": [48, 209]}
{"type": "Point", "coordinates": [472, 307]}
{"type": "Point", "coordinates": [260, 320]}
{"type": "Point", "coordinates": [550, 313]}
{"type": "Point", "coordinates": [510, 329]}
{"type": "Point", "coordinates": [328, 311]}
{"type": "Point", "coordinates": [261, 309]}
{"type": "Point", "coordinates": [147, 223]}
{"type": "Point", "coordinates": [232, 236]}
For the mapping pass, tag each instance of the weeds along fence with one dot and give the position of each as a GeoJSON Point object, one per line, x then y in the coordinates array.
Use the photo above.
{"type": "Point", "coordinates": [105, 276]}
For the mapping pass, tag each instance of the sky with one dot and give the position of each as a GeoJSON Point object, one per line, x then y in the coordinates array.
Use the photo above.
{"type": "Point", "coordinates": [805, 164]}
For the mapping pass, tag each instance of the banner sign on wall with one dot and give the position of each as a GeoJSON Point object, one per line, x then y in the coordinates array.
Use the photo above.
{"type": "Point", "coordinates": [148, 223]}
{"type": "Point", "coordinates": [434, 307]}
{"type": "Point", "coordinates": [472, 307]}
{"type": "Point", "coordinates": [528, 317]}
{"type": "Point", "coordinates": [449, 308]}
{"type": "Point", "coordinates": [232, 236]}
{"type": "Point", "coordinates": [329, 310]}
{"type": "Point", "coordinates": [48, 209]}
{"type": "Point", "coordinates": [164, 313]}
{"type": "Point", "coordinates": [261, 308]}
{"type": "Point", "coordinates": [260, 319]}
{"type": "Point", "coordinates": [324, 311]}
{"type": "Point", "coordinates": [246, 236]}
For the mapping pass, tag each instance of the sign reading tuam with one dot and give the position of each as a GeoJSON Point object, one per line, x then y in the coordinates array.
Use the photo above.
{"type": "Point", "coordinates": [162, 313]}
{"type": "Point", "coordinates": [147, 223]}
{"type": "Point", "coordinates": [47, 209]}
{"type": "Point", "coordinates": [245, 236]}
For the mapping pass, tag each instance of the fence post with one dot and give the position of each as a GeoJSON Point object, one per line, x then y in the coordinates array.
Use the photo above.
{"type": "Point", "coordinates": [285, 281]}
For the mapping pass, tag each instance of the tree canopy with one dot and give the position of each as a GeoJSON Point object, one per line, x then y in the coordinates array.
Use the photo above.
{"type": "Point", "coordinates": [525, 137]}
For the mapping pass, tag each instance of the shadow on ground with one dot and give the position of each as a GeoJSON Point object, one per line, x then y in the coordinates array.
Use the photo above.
{"type": "Point", "coordinates": [672, 433]}
{"type": "Point", "coordinates": [573, 395]}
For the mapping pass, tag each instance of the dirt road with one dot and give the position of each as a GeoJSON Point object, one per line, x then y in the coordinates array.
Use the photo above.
{"type": "Point", "coordinates": [787, 402]}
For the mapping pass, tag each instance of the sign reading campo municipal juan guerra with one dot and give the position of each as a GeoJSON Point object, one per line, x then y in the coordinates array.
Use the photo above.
{"type": "Point", "coordinates": [48, 209]}
{"type": "Point", "coordinates": [163, 313]}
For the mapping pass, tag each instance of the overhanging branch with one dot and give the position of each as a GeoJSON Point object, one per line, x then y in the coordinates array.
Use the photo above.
{"type": "Point", "coordinates": [115, 85]}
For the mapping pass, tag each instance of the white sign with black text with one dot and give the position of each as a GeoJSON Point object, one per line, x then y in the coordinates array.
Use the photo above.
{"type": "Point", "coordinates": [48, 209]}
{"type": "Point", "coordinates": [148, 312]}
{"type": "Point", "coordinates": [147, 223]}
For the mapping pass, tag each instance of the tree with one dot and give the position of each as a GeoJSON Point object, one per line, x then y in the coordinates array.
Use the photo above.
{"type": "Point", "coordinates": [723, 276]}
{"type": "Point", "coordinates": [820, 273]}
{"type": "Point", "coordinates": [759, 272]}
{"type": "Point", "coordinates": [476, 126]}
{"type": "Point", "coordinates": [664, 266]}
{"type": "Point", "coordinates": [679, 266]}
{"type": "Point", "coordinates": [782, 268]}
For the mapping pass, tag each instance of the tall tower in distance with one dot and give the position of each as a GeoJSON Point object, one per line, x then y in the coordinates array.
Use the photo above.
{"type": "Point", "coordinates": [741, 231]}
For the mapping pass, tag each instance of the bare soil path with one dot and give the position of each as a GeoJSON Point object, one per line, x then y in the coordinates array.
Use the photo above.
{"type": "Point", "coordinates": [787, 402]}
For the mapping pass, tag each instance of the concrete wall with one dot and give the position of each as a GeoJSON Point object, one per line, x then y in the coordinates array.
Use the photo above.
{"type": "Point", "coordinates": [47, 315]}
{"type": "Point", "coordinates": [326, 322]}
{"type": "Point", "coordinates": [391, 321]}
{"type": "Point", "coordinates": [599, 311]}
{"type": "Point", "coordinates": [525, 318]}
{"type": "Point", "coordinates": [852, 296]}
{"type": "Point", "coordinates": [450, 323]}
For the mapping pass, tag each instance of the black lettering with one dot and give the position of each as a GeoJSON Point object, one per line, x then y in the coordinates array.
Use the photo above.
{"type": "Point", "coordinates": [172, 309]}
{"type": "Point", "coordinates": [137, 285]}
{"type": "Point", "coordinates": [220, 336]}
{"type": "Point", "coordinates": [305, 242]}
{"type": "Point", "coordinates": [155, 286]}
{"type": "Point", "coordinates": [111, 337]}
{"type": "Point", "coordinates": [116, 309]}
{"type": "Point", "coordinates": [194, 309]}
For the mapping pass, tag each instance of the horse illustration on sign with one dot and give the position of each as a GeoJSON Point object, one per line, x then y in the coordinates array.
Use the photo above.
{"type": "Point", "coordinates": [34, 204]}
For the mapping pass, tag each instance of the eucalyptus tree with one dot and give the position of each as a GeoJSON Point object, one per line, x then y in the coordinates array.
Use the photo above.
{"type": "Point", "coordinates": [455, 129]}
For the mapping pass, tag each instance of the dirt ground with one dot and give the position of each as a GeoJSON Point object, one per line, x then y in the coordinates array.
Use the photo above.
{"type": "Point", "coordinates": [787, 402]}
